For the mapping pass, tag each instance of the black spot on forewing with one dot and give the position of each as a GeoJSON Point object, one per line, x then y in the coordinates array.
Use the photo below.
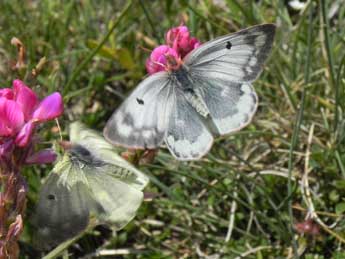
{"type": "Point", "coordinates": [140, 101]}
{"type": "Point", "coordinates": [139, 136]}
{"type": "Point", "coordinates": [228, 45]}
{"type": "Point", "coordinates": [51, 197]}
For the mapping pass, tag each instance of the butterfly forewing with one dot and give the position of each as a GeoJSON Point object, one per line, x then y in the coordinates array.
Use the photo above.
{"type": "Point", "coordinates": [141, 121]}
{"type": "Point", "coordinates": [237, 57]}
{"type": "Point", "coordinates": [63, 208]}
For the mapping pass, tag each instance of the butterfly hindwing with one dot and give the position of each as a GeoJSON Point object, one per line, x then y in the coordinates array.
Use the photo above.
{"type": "Point", "coordinates": [187, 136]}
{"type": "Point", "coordinates": [141, 121]}
{"type": "Point", "coordinates": [237, 57]}
{"type": "Point", "coordinates": [231, 105]}
{"type": "Point", "coordinates": [117, 199]}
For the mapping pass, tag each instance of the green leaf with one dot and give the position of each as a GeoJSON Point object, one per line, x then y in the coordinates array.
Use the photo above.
{"type": "Point", "coordinates": [340, 208]}
{"type": "Point", "coordinates": [125, 58]}
{"type": "Point", "coordinates": [122, 55]}
{"type": "Point", "coordinates": [104, 51]}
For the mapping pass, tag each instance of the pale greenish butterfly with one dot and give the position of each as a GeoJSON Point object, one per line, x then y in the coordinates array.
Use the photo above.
{"type": "Point", "coordinates": [90, 181]}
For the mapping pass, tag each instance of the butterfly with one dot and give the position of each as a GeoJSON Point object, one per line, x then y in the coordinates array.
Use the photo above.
{"type": "Point", "coordinates": [209, 94]}
{"type": "Point", "coordinates": [90, 181]}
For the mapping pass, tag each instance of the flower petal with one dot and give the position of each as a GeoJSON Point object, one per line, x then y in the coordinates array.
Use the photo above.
{"type": "Point", "coordinates": [7, 93]}
{"type": "Point", "coordinates": [45, 156]}
{"type": "Point", "coordinates": [11, 117]}
{"type": "Point", "coordinates": [49, 108]}
{"type": "Point", "coordinates": [24, 136]}
{"type": "Point", "coordinates": [25, 97]}
{"type": "Point", "coordinates": [158, 61]}
{"type": "Point", "coordinates": [179, 39]}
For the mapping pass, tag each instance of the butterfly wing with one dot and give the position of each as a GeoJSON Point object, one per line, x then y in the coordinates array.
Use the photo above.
{"type": "Point", "coordinates": [115, 184]}
{"type": "Point", "coordinates": [117, 197]}
{"type": "Point", "coordinates": [102, 150]}
{"type": "Point", "coordinates": [63, 207]}
{"type": "Point", "coordinates": [141, 121]}
{"type": "Point", "coordinates": [237, 57]}
{"type": "Point", "coordinates": [187, 137]}
{"type": "Point", "coordinates": [223, 68]}
{"type": "Point", "coordinates": [232, 107]}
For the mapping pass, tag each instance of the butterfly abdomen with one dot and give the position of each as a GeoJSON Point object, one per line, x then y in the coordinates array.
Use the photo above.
{"type": "Point", "coordinates": [192, 94]}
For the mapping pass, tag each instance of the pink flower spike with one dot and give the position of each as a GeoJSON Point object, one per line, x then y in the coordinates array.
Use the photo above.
{"type": "Point", "coordinates": [7, 93]}
{"type": "Point", "coordinates": [158, 59]}
{"type": "Point", "coordinates": [11, 117]}
{"type": "Point", "coordinates": [24, 136]}
{"type": "Point", "coordinates": [49, 108]}
{"type": "Point", "coordinates": [45, 156]}
{"type": "Point", "coordinates": [25, 97]}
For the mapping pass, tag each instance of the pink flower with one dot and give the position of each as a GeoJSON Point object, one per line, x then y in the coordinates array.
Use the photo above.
{"type": "Point", "coordinates": [11, 117]}
{"type": "Point", "coordinates": [307, 227]}
{"type": "Point", "coordinates": [25, 97]}
{"type": "Point", "coordinates": [24, 135]}
{"type": "Point", "coordinates": [168, 57]}
{"type": "Point", "coordinates": [158, 61]}
{"type": "Point", "coordinates": [49, 108]}
{"type": "Point", "coordinates": [7, 93]}
{"type": "Point", "coordinates": [20, 111]}
{"type": "Point", "coordinates": [179, 39]}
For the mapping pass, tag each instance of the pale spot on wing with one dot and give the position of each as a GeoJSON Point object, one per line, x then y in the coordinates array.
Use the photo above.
{"type": "Point", "coordinates": [245, 106]}
{"type": "Point", "coordinates": [183, 149]}
{"type": "Point", "coordinates": [252, 61]}
{"type": "Point", "coordinates": [124, 128]}
{"type": "Point", "coordinates": [147, 133]}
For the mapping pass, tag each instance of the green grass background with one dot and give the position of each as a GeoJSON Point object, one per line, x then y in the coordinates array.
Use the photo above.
{"type": "Point", "coordinates": [260, 171]}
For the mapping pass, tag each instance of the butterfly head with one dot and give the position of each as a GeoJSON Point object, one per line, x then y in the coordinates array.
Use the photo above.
{"type": "Point", "coordinates": [172, 62]}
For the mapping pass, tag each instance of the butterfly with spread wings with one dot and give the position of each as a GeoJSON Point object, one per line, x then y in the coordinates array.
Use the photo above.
{"type": "Point", "coordinates": [90, 181]}
{"type": "Point", "coordinates": [210, 93]}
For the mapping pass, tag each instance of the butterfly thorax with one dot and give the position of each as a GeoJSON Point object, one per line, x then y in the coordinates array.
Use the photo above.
{"type": "Point", "coordinates": [173, 63]}
{"type": "Point", "coordinates": [190, 90]}
{"type": "Point", "coordinates": [81, 155]}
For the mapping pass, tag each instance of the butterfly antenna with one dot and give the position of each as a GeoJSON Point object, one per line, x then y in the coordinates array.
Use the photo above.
{"type": "Point", "coordinates": [59, 128]}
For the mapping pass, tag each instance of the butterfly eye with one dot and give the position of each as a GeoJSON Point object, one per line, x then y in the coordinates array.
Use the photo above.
{"type": "Point", "coordinates": [51, 197]}
{"type": "Point", "coordinates": [228, 45]}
